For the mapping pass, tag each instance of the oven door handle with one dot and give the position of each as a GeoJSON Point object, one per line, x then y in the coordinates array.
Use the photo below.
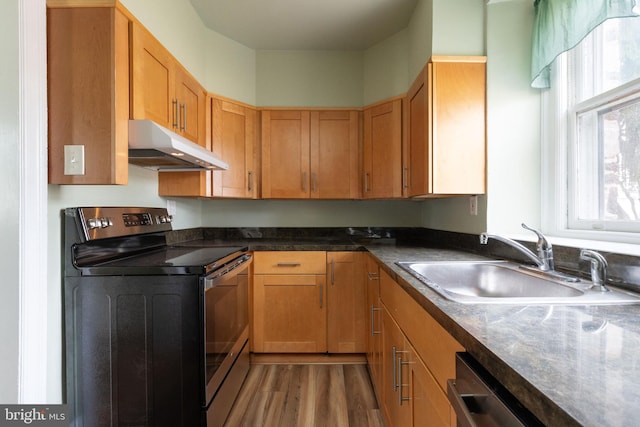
{"type": "Point", "coordinates": [241, 263]}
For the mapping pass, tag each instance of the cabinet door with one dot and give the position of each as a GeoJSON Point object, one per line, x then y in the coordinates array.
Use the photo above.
{"type": "Point", "coordinates": [334, 154]}
{"type": "Point", "coordinates": [418, 158]}
{"type": "Point", "coordinates": [289, 314]}
{"type": "Point", "coordinates": [382, 151]}
{"type": "Point", "coordinates": [190, 102]}
{"type": "Point", "coordinates": [396, 410]}
{"type": "Point", "coordinates": [285, 155]}
{"type": "Point", "coordinates": [346, 303]}
{"type": "Point", "coordinates": [88, 92]}
{"type": "Point", "coordinates": [458, 120]}
{"type": "Point", "coordinates": [374, 335]}
{"type": "Point", "coordinates": [153, 81]}
{"type": "Point", "coordinates": [233, 137]}
{"type": "Point", "coordinates": [429, 404]}
{"type": "Point", "coordinates": [446, 151]}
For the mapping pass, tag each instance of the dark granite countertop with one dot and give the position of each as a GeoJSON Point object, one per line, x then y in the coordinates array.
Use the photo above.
{"type": "Point", "coordinates": [570, 365]}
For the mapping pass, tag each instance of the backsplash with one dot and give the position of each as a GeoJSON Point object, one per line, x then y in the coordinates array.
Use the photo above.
{"type": "Point", "coordinates": [623, 270]}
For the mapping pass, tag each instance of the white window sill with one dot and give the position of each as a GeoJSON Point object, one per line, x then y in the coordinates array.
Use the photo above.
{"type": "Point", "coordinates": [597, 245]}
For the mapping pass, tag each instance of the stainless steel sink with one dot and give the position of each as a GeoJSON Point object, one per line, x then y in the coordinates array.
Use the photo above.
{"type": "Point", "coordinates": [498, 282]}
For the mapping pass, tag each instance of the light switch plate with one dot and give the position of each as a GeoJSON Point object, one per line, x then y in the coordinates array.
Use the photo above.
{"type": "Point", "coordinates": [74, 159]}
{"type": "Point", "coordinates": [473, 205]}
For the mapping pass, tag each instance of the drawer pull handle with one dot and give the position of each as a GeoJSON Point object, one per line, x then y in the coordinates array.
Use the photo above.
{"type": "Point", "coordinates": [289, 264]}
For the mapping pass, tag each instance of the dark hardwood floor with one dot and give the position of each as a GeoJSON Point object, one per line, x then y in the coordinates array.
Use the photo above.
{"type": "Point", "coordinates": [306, 395]}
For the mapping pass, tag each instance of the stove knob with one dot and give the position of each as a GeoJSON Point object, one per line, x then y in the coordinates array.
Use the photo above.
{"type": "Point", "coordinates": [163, 219]}
{"type": "Point", "coordinates": [93, 223]}
{"type": "Point", "coordinates": [105, 222]}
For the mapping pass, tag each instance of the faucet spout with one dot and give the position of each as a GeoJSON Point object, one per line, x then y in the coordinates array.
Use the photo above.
{"type": "Point", "coordinates": [484, 239]}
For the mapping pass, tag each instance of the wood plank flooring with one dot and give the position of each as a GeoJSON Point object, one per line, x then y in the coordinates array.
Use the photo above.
{"type": "Point", "coordinates": [306, 395]}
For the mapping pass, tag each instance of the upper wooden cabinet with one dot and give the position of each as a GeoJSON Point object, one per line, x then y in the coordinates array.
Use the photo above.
{"type": "Point", "coordinates": [88, 92]}
{"type": "Point", "coordinates": [285, 154]}
{"type": "Point", "coordinates": [446, 148]}
{"type": "Point", "coordinates": [234, 132]}
{"type": "Point", "coordinates": [162, 90]}
{"type": "Point", "coordinates": [382, 151]}
{"type": "Point", "coordinates": [334, 154]}
{"type": "Point", "coordinates": [310, 154]}
{"type": "Point", "coordinates": [231, 134]}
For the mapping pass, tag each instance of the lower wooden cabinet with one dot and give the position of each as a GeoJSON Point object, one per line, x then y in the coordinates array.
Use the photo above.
{"type": "Point", "coordinates": [289, 313]}
{"type": "Point", "coordinates": [309, 302]}
{"type": "Point", "coordinates": [396, 405]}
{"type": "Point", "coordinates": [346, 303]}
{"type": "Point", "coordinates": [289, 302]}
{"type": "Point", "coordinates": [374, 328]}
{"type": "Point", "coordinates": [429, 404]}
{"type": "Point", "coordinates": [417, 359]}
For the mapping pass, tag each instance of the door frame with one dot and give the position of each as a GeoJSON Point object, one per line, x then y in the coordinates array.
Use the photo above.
{"type": "Point", "coordinates": [33, 284]}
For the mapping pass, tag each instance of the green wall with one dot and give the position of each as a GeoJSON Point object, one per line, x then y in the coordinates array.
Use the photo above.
{"type": "Point", "coordinates": [309, 78]}
{"type": "Point", "coordinates": [9, 202]}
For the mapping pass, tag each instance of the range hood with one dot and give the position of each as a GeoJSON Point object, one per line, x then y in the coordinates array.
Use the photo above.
{"type": "Point", "coordinates": [154, 147]}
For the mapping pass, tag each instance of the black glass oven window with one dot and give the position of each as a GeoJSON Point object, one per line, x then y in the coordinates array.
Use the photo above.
{"type": "Point", "coordinates": [226, 305]}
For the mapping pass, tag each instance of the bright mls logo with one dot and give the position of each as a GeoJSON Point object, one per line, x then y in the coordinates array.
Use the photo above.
{"type": "Point", "coordinates": [36, 415]}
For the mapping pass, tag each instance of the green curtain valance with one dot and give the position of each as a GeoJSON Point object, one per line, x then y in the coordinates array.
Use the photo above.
{"type": "Point", "coordinates": [561, 24]}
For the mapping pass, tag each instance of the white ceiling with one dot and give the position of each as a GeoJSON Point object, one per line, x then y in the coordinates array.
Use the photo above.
{"type": "Point", "coordinates": [306, 24]}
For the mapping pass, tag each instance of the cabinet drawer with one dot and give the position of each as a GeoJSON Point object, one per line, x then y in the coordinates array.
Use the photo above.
{"type": "Point", "coordinates": [290, 262]}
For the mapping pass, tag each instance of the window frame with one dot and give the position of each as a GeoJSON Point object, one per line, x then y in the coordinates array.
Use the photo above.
{"type": "Point", "coordinates": [558, 131]}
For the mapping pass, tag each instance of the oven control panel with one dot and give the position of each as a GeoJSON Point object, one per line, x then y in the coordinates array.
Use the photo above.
{"type": "Point", "coordinates": [105, 222]}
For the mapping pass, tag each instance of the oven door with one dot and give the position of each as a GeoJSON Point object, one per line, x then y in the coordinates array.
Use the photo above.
{"type": "Point", "coordinates": [226, 309]}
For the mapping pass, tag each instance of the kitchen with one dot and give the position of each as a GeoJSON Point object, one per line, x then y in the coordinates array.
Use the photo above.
{"type": "Point", "coordinates": [233, 70]}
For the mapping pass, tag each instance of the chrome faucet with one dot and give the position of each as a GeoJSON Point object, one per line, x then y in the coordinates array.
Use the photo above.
{"type": "Point", "coordinates": [544, 259]}
{"type": "Point", "coordinates": [598, 269]}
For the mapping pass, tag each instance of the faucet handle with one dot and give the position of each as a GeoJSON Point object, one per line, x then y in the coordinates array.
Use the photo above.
{"type": "Point", "coordinates": [543, 243]}
{"type": "Point", "coordinates": [598, 268]}
{"type": "Point", "coordinates": [544, 248]}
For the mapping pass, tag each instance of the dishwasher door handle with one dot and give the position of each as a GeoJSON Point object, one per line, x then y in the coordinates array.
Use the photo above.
{"type": "Point", "coordinates": [465, 419]}
{"type": "Point", "coordinates": [483, 405]}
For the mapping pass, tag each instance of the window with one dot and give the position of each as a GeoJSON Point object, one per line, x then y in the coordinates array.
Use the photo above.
{"type": "Point", "coordinates": [593, 112]}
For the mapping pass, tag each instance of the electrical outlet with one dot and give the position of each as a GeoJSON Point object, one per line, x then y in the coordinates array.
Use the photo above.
{"type": "Point", "coordinates": [473, 205]}
{"type": "Point", "coordinates": [74, 159]}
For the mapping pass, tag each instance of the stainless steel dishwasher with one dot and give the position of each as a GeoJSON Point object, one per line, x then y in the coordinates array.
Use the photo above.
{"type": "Point", "coordinates": [479, 400]}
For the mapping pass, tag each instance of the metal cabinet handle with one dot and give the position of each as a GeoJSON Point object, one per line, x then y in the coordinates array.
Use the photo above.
{"type": "Point", "coordinates": [400, 384]}
{"type": "Point", "coordinates": [405, 177]}
{"type": "Point", "coordinates": [288, 264]}
{"type": "Point", "coordinates": [372, 276]}
{"type": "Point", "coordinates": [394, 366]}
{"type": "Point", "coordinates": [333, 271]}
{"type": "Point", "coordinates": [174, 104]}
{"type": "Point", "coordinates": [314, 182]}
{"type": "Point", "coordinates": [304, 182]}
{"type": "Point", "coordinates": [250, 184]}
{"type": "Point", "coordinates": [183, 127]}
{"type": "Point", "coordinates": [366, 182]}
{"type": "Point", "coordinates": [373, 324]}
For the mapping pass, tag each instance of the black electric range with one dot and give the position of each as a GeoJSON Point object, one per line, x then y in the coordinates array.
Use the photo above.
{"type": "Point", "coordinates": [152, 330]}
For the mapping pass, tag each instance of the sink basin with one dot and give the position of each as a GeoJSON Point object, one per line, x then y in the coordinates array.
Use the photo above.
{"type": "Point", "coordinates": [501, 282]}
